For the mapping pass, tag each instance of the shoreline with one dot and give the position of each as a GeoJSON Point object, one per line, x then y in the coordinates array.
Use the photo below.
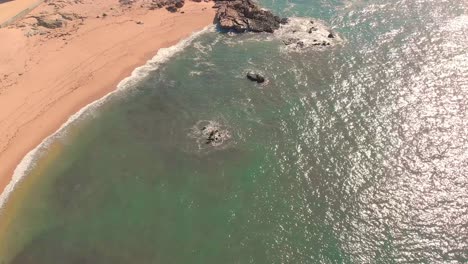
{"type": "Point", "coordinates": [37, 106]}
{"type": "Point", "coordinates": [29, 160]}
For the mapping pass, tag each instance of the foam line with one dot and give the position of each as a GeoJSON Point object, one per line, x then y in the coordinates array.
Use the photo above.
{"type": "Point", "coordinates": [162, 56]}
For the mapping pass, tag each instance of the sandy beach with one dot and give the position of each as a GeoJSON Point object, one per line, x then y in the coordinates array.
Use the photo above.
{"type": "Point", "coordinates": [47, 75]}
{"type": "Point", "coordinates": [11, 8]}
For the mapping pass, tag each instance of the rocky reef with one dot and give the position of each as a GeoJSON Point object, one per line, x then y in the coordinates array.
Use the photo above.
{"type": "Point", "coordinates": [209, 133]}
{"type": "Point", "coordinates": [305, 33]}
{"type": "Point", "coordinates": [295, 33]}
{"type": "Point", "coordinates": [245, 15]}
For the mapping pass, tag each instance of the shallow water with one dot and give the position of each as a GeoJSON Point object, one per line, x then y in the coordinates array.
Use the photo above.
{"type": "Point", "coordinates": [352, 154]}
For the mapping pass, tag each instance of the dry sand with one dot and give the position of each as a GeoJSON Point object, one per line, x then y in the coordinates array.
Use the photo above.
{"type": "Point", "coordinates": [10, 8]}
{"type": "Point", "coordinates": [50, 75]}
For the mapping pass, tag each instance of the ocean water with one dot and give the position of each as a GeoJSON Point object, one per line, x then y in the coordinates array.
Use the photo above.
{"type": "Point", "coordinates": [356, 153]}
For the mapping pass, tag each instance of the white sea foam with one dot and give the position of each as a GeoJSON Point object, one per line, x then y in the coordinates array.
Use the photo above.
{"type": "Point", "coordinates": [301, 33]}
{"type": "Point", "coordinates": [162, 56]}
{"type": "Point", "coordinates": [195, 73]}
{"type": "Point", "coordinates": [203, 130]}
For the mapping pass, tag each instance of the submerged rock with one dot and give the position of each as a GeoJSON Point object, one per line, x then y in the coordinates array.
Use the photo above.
{"type": "Point", "coordinates": [255, 77]}
{"type": "Point", "coordinates": [245, 15]}
{"type": "Point", "coordinates": [214, 136]}
{"type": "Point", "coordinates": [209, 133]}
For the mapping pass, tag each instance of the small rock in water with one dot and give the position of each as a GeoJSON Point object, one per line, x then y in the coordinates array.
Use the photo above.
{"type": "Point", "coordinates": [255, 77]}
{"type": "Point", "coordinates": [210, 133]}
{"type": "Point", "coordinates": [214, 136]}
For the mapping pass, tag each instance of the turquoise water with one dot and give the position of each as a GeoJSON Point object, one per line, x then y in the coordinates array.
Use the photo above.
{"type": "Point", "coordinates": [353, 154]}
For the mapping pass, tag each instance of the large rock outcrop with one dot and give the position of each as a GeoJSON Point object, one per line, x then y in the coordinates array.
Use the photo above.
{"type": "Point", "coordinates": [245, 15]}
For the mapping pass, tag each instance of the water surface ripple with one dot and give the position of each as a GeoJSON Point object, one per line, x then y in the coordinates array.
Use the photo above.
{"type": "Point", "coordinates": [353, 154]}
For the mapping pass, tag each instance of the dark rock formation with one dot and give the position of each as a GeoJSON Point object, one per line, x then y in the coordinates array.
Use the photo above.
{"type": "Point", "coordinates": [49, 22]}
{"type": "Point", "coordinates": [213, 136]}
{"type": "Point", "coordinates": [255, 77]}
{"type": "Point", "coordinates": [171, 9]}
{"type": "Point", "coordinates": [209, 133]}
{"type": "Point", "coordinates": [245, 15]}
{"type": "Point", "coordinates": [169, 4]}
{"type": "Point", "coordinates": [180, 4]}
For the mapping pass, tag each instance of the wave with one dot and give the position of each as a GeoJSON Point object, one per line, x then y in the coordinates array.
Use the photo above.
{"type": "Point", "coordinates": [301, 33]}
{"type": "Point", "coordinates": [162, 56]}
